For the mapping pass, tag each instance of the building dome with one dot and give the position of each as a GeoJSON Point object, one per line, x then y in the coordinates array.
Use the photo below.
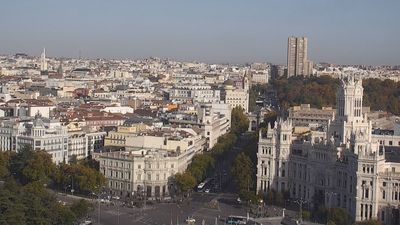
{"type": "Point", "coordinates": [229, 82]}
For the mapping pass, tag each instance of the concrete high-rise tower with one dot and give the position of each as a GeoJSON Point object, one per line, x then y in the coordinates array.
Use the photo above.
{"type": "Point", "coordinates": [297, 62]}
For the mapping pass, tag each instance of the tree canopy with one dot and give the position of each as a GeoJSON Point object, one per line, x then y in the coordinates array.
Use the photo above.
{"type": "Point", "coordinates": [239, 121]}
{"type": "Point", "coordinates": [321, 91]}
{"type": "Point", "coordinates": [242, 172]}
{"type": "Point", "coordinates": [24, 197]}
{"type": "Point", "coordinates": [185, 181]}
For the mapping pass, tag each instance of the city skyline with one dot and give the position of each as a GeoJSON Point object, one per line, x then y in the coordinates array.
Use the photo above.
{"type": "Point", "coordinates": [340, 32]}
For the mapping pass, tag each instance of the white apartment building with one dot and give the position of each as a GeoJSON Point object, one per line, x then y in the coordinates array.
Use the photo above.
{"type": "Point", "coordinates": [237, 96]}
{"type": "Point", "coordinates": [141, 172]}
{"type": "Point", "coordinates": [84, 143]}
{"type": "Point", "coordinates": [341, 167]}
{"type": "Point", "coordinates": [40, 133]}
{"type": "Point", "coordinates": [46, 134]}
{"type": "Point", "coordinates": [260, 73]}
{"type": "Point", "coordinates": [194, 92]}
{"type": "Point", "coordinates": [212, 119]}
{"type": "Point", "coordinates": [215, 120]}
{"type": "Point", "coordinates": [149, 162]}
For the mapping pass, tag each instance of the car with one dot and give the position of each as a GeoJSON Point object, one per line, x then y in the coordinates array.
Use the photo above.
{"type": "Point", "coordinates": [86, 222]}
{"type": "Point", "coordinates": [104, 200]}
{"type": "Point", "coordinates": [239, 200]}
{"type": "Point", "coordinates": [207, 190]}
{"type": "Point", "coordinates": [190, 220]}
{"type": "Point", "coordinates": [116, 197]}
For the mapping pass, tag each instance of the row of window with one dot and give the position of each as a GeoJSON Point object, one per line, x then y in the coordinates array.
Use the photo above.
{"type": "Point", "coordinates": [382, 142]}
{"type": "Point", "coordinates": [120, 185]}
{"type": "Point", "coordinates": [118, 174]}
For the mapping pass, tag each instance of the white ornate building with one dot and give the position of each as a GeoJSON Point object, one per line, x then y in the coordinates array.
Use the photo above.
{"type": "Point", "coordinates": [149, 161]}
{"type": "Point", "coordinates": [42, 133]}
{"type": "Point", "coordinates": [344, 166]}
{"type": "Point", "coordinates": [237, 96]}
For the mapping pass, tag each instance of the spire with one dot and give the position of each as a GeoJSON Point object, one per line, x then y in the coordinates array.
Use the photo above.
{"type": "Point", "coordinates": [43, 61]}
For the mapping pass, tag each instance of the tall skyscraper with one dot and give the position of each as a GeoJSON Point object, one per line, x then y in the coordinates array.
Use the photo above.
{"type": "Point", "coordinates": [297, 62]}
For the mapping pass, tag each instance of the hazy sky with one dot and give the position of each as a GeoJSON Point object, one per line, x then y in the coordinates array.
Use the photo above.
{"type": "Point", "coordinates": [339, 31]}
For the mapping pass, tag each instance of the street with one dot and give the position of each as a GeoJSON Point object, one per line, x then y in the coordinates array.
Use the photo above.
{"type": "Point", "coordinates": [199, 206]}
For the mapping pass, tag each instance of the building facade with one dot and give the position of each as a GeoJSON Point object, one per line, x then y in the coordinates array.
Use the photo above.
{"type": "Point", "coordinates": [39, 133]}
{"type": "Point", "coordinates": [342, 166]}
{"type": "Point", "coordinates": [304, 115]}
{"type": "Point", "coordinates": [149, 162]}
{"type": "Point", "coordinates": [297, 62]}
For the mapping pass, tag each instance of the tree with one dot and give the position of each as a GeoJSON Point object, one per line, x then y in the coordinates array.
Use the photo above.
{"type": "Point", "coordinates": [84, 179]}
{"type": "Point", "coordinates": [39, 168]}
{"type": "Point", "coordinates": [339, 216]}
{"type": "Point", "coordinates": [242, 172]}
{"type": "Point", "coordinates": [320, 91]}
{"type": "Point", "coordinates": [24, 198]}
{"type": "Point", "coordinates": [81, 208]}
{"type": "Point", "coordinates": [239, 121]}
{"type": "Point", "coordinates": [275, 198]}
{"type": "Point", "coordinates": [11, 209]}
{"type": "Point", "coordinates": [201, 165]}
{"type": "Point", "coordinates": [5, 164]}
{"type": "Point", "coordinates": [185, 181]}
{"type": "Point", "coordinates": [306, 215]}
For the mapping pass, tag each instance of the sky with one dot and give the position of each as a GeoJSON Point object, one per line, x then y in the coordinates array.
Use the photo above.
{"type": "Point", "coordinates": [212, 31]}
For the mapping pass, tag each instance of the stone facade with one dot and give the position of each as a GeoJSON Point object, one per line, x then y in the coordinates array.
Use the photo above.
{"type": "Point", "coordinates": [341, 165]}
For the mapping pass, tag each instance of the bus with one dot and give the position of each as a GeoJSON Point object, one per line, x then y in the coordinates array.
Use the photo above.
{"type": "Point", "coordinates": [203, 185]}
{"type": "Point", "coordinates": [236, 220]}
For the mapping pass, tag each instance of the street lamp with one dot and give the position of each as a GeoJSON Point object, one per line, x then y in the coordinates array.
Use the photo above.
{"type": "Point", "coordinates": [330, 194]}
{"type": "Point", "coordinates": [300, 202]}
{"type": "Point", "coordinates": [65, 189]}
{"type": "Point", "coordinates": [99, 200]}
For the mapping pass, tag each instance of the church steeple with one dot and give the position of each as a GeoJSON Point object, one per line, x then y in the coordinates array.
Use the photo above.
{"type": "Point", "coordinates": [43, 61]}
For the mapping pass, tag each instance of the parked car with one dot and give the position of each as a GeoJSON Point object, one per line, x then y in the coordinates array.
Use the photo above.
{"type": "Point", "coordinates": [190, 220]}
{"type": "Point", "coordinates": [86, 222]}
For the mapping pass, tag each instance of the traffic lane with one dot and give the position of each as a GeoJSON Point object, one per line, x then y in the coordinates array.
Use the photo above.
{"type": "Point", "coordinates": [163, 213]}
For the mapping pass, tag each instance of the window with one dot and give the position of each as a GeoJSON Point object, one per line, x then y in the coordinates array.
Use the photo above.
{"type": "Point", "coordinates": [149, 176]}
{"type": "Point", "coordinates": [139, 177]}
{"type": "Point", "coordinates": [139, 166]}
{"type": "Point", "coordinates": [384, 194]}
{"type": "Point", "coordinates": [172, 165]}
